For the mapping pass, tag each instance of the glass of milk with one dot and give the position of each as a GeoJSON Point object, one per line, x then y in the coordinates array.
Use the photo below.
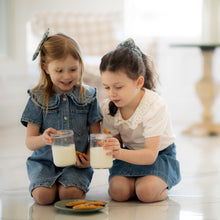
{"type": "Point", "coordinates": [98, 157]}
{"type": "Point", "coordinates": [63, 148]}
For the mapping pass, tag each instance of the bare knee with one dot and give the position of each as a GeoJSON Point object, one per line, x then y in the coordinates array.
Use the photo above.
{"type": "Point", "coordinates": [44, 195]}
{"type": "Point", "coordinates": [71, 193]}
{"type": "Point", "coordinates": [121, 191]}
{"type": "Point", "coordinates": [149, 193]}
{"type": "Point", "coordinates": [118, 193]}
{"type": "Point", "coordinates": [145, 194]}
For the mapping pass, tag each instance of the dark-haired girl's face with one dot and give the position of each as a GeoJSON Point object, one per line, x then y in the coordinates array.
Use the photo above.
{"type": "Point", "coordinates": [64, 74]}
{"type": "Point", "coordinates": [120, 89]}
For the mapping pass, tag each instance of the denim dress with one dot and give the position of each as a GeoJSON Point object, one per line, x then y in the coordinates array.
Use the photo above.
{"type": "Point", "coordinates": [65, 111]}
{"type": "Point", "coordinates": [166, 167]}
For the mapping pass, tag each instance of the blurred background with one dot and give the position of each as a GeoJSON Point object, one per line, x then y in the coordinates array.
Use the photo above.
{"type": "Point", "coordinates": [99, 25]}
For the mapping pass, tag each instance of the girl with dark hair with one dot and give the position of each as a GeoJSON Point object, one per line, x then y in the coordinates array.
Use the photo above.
{"type": "Point", "coordinates": [143, 145]}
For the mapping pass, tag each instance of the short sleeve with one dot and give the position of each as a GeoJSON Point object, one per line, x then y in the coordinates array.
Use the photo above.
{"type": "Point", "coordinates": [108, 120]}
{"type": "Point", "coordinates": [157, 121]}
{"type": "Point", "coordinates": [94, 112]}
{"type": "Point", "coordinates": [32, 114]}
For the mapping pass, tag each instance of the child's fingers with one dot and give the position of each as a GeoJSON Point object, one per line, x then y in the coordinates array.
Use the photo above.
{"type": "Point", "coordinates": [114, 152]}
{"type": "Point", "coordinates": [78, 162]}
{"type": "Point", "coordinates": [109, 153]}
{"type": "Point", "coordinates": [108, 147]}
{"type": "Point", "coordinates": [51, 131]}
{"type": "Point", "coordinates": [80, 159]}
{"type": "Point", "coordinates": [49, 140]}
{"type": "Point", "coordinates": [47, 134]}
{"type": "Point", "coordinates": [83, 160]}
{"type": "Point", "coordinates": [112, 145]}
{"type": "Point", "coordinates": [77, 159]}
{"type": "Point", "coordinates": [111, 140]}
{"type": "Point", "coordinates": [109, 144]}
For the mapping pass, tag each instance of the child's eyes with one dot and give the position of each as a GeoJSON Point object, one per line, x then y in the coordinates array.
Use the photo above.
{"type": "Point", "coordinates": [119, 87]}
{"type": "Point", "coordinates": [59, 71]}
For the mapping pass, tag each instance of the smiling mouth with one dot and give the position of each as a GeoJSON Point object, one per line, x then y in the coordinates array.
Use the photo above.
{"type": "Point", "coordinates": [66, 83]}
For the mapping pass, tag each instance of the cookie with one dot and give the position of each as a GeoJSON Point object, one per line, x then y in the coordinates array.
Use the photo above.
{"type": "Point", "coordinates": [74, 203]}
{"type": "Point", "coordinates": [84, 155]}
{"type": "Point", "coordinates": [86, 206]}
{"type": "Point", "coordinates": [106, 131]}
{"type": "Point", "coordinates": [97, 203]}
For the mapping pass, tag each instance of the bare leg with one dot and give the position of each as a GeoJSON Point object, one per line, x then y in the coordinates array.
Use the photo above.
{"type": "Point", "coordinates": [121, 188]}
{"type": "Point", "coordinates": [45, 195]}
{"type": "Point", "coordinates": [151, 189]}
{"type": "Point", "coordinates": [70, 193]}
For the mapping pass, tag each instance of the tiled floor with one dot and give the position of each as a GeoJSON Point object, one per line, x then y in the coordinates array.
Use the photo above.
{"type": "Point", "coordinates": [196, 197]}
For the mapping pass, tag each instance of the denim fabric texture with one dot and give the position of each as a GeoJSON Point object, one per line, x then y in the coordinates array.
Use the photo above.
{"type": "Point", "coordinates": [166, 167]}
{"type": "Point", "coordinates": [65, 111]}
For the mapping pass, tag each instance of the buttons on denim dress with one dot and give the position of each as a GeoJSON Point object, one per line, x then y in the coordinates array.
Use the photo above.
{"type": "Point", "coordinates": [65, 118]}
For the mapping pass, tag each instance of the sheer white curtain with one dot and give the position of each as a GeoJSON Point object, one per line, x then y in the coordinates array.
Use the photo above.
{"type": "Point", "coordinates": [163, 18]}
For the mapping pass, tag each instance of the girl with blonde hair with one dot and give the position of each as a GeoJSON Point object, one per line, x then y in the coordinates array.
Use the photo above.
{"type": "Point", "coordinates": [59, 102]}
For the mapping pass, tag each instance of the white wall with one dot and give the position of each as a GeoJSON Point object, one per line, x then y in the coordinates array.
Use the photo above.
{"type": "Point", "coordinates": [13, 68]}
{"type": "Point", "coordinates": [74, 5]}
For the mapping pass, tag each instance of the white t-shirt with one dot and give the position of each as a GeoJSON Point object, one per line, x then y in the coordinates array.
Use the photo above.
{"type": "Point", "coordinates": [150, 119]}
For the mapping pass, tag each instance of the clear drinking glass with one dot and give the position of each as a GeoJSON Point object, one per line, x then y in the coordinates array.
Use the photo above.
{"type": "Point", "coordinates": [63, 148]}
{"type": "Point", "coordinates": [98, 157]}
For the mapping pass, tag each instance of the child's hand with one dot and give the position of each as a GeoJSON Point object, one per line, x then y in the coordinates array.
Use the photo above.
{"type": "Point", "coordinates": [114, 145]}
{"type": "Point", "coordinates": [81, 161]}
{"type": "Point", "coordinates": [47, 139]}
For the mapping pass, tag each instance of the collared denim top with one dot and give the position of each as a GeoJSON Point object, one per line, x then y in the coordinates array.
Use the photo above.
{"type": "Point", "coordinates": [65, 111]}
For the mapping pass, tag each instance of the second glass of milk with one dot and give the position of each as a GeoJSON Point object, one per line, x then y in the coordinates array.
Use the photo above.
{"type": "Point", "coordinates": [98, 157]}
{"type": "Point", "coordinates": [63, 148]}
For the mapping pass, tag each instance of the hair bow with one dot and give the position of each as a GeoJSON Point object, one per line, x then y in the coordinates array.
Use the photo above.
{"type": "Point", "coordinates": [44, 38]}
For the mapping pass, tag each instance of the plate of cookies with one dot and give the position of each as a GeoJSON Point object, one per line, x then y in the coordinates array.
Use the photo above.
{"type": "Point", "coordinates": [79, 205]}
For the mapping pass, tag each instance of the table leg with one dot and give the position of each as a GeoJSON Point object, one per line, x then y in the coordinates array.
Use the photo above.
{"type": "Point", "coordinates": [207, 90]}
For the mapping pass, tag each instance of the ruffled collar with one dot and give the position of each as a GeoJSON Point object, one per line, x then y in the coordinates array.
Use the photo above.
{"type": "Point", "coordinates": [90, 95]}
{"type": "Point", "coordinates": [137, 117]}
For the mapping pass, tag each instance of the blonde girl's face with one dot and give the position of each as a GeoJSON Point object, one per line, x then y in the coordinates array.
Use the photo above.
{"type": "Point", "coordinates": [120, 89]}
{"type": "Point", "coordinates": [64, 74]}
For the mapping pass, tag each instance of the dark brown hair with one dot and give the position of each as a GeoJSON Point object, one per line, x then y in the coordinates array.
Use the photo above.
{"type": "Point", "coordinates": [134, 65]}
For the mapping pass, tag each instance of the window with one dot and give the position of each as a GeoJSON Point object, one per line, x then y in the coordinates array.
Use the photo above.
{"type": "Point", "coordinates": [160, 18]}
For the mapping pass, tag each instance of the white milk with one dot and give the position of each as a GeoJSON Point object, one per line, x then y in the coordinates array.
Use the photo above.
{"type": "Point", "coordinates": [64, 156]}
{"type": "Point", "coordinates": [99, 159]}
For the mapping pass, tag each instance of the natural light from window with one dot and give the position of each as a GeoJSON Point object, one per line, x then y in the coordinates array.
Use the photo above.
{"type": "Point", "coordinates": [163, 18]}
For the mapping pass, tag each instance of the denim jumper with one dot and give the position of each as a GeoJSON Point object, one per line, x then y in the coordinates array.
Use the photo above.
{"type": "Point", "coordinates": [65, 111]}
